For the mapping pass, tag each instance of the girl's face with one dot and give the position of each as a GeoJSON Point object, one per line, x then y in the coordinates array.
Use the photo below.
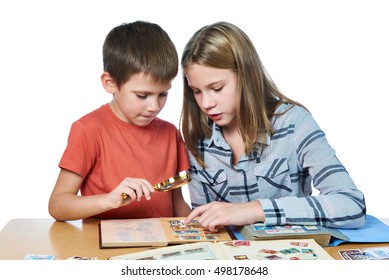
{"type": "Point", "coordinates": [215, 91]}
{"type": "Point", "coordinates": [139, 100]}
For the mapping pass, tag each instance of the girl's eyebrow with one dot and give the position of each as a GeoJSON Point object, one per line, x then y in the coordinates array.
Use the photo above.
{"type": "Point", "coordinates": [209, 85]}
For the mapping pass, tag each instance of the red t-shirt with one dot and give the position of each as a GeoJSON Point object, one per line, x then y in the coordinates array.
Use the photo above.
{"type": "Point", "coordinates": [105, 150]}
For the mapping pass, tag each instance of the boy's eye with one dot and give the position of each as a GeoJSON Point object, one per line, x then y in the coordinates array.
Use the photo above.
{"type": "Point", "coordinates": [140, 96]}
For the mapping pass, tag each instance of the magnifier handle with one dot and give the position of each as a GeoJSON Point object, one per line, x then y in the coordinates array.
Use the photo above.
{"type": "Point", "coordinates": [124, 195]}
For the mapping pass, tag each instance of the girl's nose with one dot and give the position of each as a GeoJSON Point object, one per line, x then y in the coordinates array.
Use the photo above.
{"type": "Point", "coordinates": [207, 101]}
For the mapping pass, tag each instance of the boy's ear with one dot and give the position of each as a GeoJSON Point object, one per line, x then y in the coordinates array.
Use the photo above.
{"type": "Point", "coordinates": [108, 82]}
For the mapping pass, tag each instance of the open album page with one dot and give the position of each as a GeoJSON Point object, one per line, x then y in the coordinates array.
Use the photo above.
{"type": "Point", "coordinates": [132, 232]}
{"type": "Point", "coordinates": [192, 251]}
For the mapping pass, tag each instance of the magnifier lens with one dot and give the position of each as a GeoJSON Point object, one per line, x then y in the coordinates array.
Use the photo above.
{"type": "Point", "coordinates": [173, 183]}
{"type": "Point", "coordinates": [170, 184]}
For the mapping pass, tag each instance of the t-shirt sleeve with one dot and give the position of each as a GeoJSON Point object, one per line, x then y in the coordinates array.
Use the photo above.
{"type": "Point", "coordinates": [80, 152]}
{"type": "Point", "coordinates": [182, 157]}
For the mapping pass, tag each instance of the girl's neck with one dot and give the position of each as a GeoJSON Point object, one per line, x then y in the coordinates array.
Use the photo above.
{"type": "Point", "coordinates": [235, 141]}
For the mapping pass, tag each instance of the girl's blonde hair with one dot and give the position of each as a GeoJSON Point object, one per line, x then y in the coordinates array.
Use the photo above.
{"type": "Point", "coordinates": [223, 45]}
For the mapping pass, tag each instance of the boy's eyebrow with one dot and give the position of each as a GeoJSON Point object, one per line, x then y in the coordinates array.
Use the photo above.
{"type": "Point", "coordinates": [143, 91]}
{"type": "Point", "coordinates": [149, 92]}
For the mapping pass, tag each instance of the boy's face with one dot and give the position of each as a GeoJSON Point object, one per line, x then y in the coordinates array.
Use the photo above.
{"type": "Point", "coordinates": [139, 100]}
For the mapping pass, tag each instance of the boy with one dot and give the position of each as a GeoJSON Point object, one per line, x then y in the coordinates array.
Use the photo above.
{"type": "Point", "coordinates": [122, 147]}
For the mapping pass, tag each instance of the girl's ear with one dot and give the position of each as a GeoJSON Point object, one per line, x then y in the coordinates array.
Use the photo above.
{"type": "Point", "coordinates": [108, 82]}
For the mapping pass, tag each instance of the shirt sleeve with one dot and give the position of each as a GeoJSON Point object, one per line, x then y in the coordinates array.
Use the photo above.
{"type": "Point", "coordinates": [339, 203]}
{"type": "Point", "coordinates": [198, 190]}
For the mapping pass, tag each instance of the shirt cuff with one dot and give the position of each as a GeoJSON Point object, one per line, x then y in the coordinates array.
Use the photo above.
{"type": "Point", "coordinates": [274, 213]}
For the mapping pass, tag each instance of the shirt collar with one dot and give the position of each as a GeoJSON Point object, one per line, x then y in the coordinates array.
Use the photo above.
{"type": "Point", "coordinates": [264, 138]}
{"type": "Point", "coordinates": [218, 140]}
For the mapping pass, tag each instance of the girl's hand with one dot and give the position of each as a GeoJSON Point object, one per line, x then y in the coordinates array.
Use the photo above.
{"type": "Point", "coordinates": [216, 214]}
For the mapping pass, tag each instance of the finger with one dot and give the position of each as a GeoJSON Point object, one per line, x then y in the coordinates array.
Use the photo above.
{"type": "Point", "coordinates": [211, 218]}
{"type": "Point", "coordinates": [211, 224]}
{"type": "Point", "coordinates": [131, 195]}
{"type": "Point", "coordinates": [206, 218]}
{"type": "Point", "coordinates": [148, 185]}
{"type": "Point", "coordinates": [198, 211]}
{"type": "Point", "coordinates": [147, 188]}
{"type": "Point", "coordinates": [146, 191]}
{"type": "Point", "coordinates": [137, 188]}
{"type": "Point", "coordinates": [141, 187]}
{"type": "Point", "coordinates": [133, 188]}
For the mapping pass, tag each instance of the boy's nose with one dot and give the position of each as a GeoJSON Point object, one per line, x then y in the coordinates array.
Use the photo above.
{"type": "Point", "coordinates": [153, 105]}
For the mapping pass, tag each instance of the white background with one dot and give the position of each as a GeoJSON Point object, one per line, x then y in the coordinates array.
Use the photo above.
{"type": "Point", "coordinates": [332, 56]}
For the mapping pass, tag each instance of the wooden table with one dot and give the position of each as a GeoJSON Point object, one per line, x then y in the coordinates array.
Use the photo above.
{"type": "Point", "coordinates": [66, 239]}
{"type": "Point", "coordinates": [61, 239]}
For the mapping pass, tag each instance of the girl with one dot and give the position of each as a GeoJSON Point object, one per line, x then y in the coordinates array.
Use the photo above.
{"type": "Point", "coordinates": [254, 153]}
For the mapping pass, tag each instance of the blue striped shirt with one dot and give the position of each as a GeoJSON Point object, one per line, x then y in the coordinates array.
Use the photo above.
{"type": "Point", "coordinates": [281, 174]}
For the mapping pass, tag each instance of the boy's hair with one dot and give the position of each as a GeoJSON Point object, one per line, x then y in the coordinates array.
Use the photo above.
{"type": "Point", "coordinates": [139, 47]}
{"type": "Point", "coordinates": [223, 45]}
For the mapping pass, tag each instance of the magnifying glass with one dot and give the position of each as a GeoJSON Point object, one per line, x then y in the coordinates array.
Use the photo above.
{"type": "Point", "coordinates": [172, 183]}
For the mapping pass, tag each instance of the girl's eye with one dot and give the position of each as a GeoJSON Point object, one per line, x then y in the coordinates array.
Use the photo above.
{"type": "Point", "coordinates": [218, 89]}
{"type": "Point", "coordinates": [163, 94]}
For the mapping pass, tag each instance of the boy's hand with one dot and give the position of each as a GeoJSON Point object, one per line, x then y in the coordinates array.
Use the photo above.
{"type": "Point", "coordinates": [134, 188]}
